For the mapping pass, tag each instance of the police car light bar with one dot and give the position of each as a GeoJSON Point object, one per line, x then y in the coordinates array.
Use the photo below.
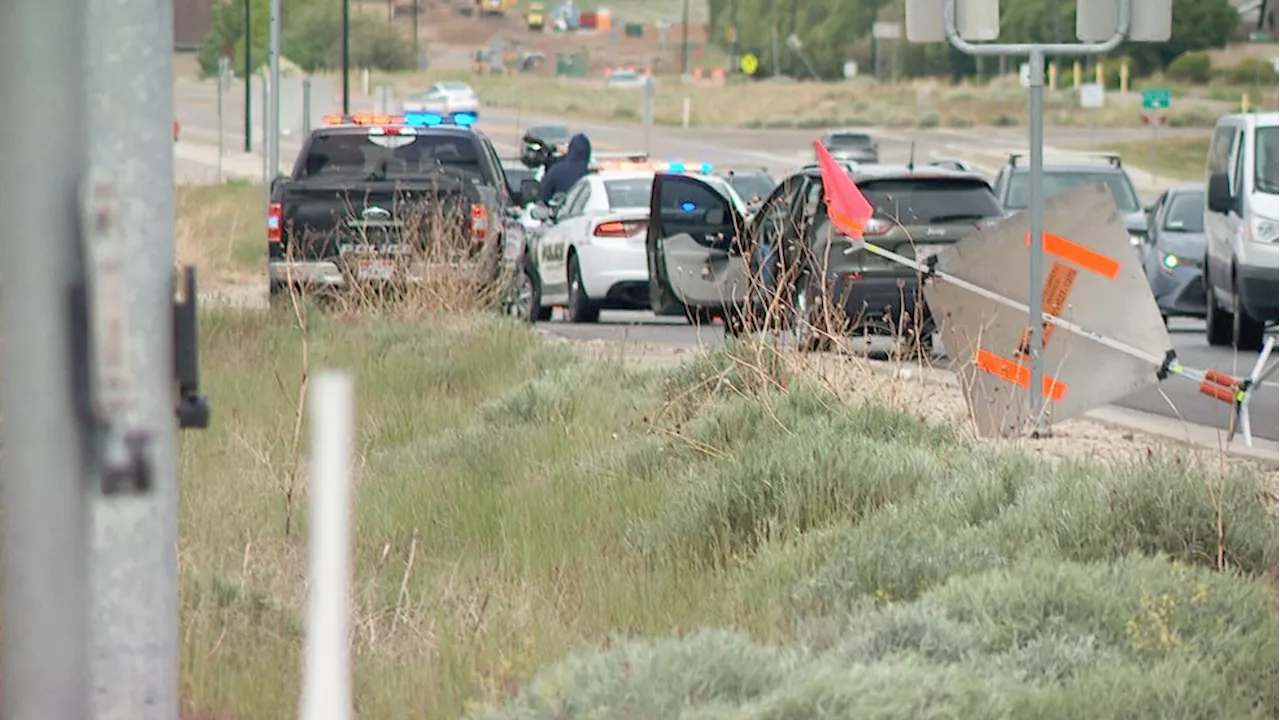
{"type": "Point", "coordinates": [431, 119]}
{"type": "Point", "coordinates": [420, 119]}
{"type": "Point", "coordinates": [703, 168]}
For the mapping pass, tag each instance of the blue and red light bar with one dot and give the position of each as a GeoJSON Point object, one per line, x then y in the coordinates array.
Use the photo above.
{"type": "Point", "coordinates": [412, 119]}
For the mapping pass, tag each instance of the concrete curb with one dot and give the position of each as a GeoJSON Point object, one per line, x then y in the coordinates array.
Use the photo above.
{"type": "Point", "coordinates": [1265, 451]}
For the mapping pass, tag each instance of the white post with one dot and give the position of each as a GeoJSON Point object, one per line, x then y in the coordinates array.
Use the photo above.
{"type": "Point", "coordinates": [364, 80]}
{"type": "Point", "coordinates": [326, 693]}
{"type": "Point", "coordinates": [684, 118]}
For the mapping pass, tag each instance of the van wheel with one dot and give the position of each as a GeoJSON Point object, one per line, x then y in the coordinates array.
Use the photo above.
{"type": "Point", "coordinates": [581, 309]}
{"type": "Point", "coordinates": [1246, 333]}
{"type": "Point", "coordinates": [1217, 324]}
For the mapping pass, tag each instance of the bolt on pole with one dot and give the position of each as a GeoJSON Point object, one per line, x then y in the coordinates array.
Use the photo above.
{"type": "Point", "coordinates": [46, 449]}
{"type": "Point", "coordinates": [1104, 24]}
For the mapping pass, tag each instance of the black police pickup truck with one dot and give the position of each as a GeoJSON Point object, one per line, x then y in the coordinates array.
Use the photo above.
{"type": "Point", "coordinates": [366, 192]}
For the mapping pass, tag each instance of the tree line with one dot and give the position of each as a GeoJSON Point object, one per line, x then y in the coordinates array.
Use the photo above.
{"type": "Point", "coordinates": [310, 37]}
{"type": "Point", "coordinates": [835, 31]}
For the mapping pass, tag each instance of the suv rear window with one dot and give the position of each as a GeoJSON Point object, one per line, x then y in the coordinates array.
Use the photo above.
{"type": "Point", "coordinates": [376, 156]}
{"type": "Point", "coordinates": [848, 140]}
{"type": "Point", "coordinates": [1018, 196]}
{"type": "Point", "coordinates": [925, 201]}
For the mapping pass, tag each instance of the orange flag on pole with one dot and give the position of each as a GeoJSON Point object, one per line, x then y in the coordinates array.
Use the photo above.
{"type": "Point", "coordinates": [846, 205]}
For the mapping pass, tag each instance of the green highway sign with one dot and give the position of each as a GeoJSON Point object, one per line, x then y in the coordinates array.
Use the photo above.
{"type": "Point", "coordinates": [1157, 99]}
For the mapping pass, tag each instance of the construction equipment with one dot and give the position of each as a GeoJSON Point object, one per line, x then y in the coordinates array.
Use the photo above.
{"type": "Point", "coordinates": [536, 17]}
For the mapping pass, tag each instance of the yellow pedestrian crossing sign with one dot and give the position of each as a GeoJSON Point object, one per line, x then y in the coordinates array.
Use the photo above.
{"type": "Point", "coordinates": [750, 63]}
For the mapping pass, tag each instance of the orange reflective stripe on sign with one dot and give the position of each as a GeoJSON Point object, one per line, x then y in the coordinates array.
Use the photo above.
{"type": "Point", "coordinates": [1057, 287]}
{"type": "Point", "coordinates": [1077, 254]}
{"type": "Point", "coordinates": [1019, 375]}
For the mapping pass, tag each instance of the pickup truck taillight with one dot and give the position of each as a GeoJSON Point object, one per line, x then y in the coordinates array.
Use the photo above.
{"type": "Point", "coordinates": [619, 228]}
{"type": "Point", "coordinates": [275, 219]}
{"type": "Point", "coordinates": [479, 223]}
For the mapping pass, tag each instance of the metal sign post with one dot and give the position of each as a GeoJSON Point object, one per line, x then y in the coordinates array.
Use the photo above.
{"type": "Point", "coordinates": [273, 140]}
{"type": "Point", "coordinates": [959, 22]}
{"type": "Point", "coordinates": [1155, 103]}
{"type": "Point", "coordinates": [46, 449]}
{"type": "Point", "coordinates": [224, 81]}
{"type": "Point", "coordinates": [647, 111]}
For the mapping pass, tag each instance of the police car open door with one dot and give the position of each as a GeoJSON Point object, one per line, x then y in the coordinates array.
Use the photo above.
{"type": "Point", "coordinates": [693, 247]}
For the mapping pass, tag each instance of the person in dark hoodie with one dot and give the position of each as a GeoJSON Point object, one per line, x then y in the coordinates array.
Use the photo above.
{"type": "Point", "coordinates": [561, 176]}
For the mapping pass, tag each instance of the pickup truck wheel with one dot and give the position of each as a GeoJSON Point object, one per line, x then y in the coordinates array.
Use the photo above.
{"type": "Point", "coordinates": [581, 309]}
{"type": "Point", "coordinates": [1217, 324]}
{"type": "Point", "coordinates": [1246, 333]}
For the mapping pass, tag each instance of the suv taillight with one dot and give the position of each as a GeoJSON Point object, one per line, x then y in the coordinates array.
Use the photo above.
{"type": "Point", "coordinates": [479, 223]}
{"type": "Point", "coordinates": [619, 228]}
{"type": "Point", "coordinates": [275, 220]}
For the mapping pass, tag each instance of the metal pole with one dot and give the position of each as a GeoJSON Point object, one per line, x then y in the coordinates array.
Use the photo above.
{"type": "Point", "coordinates": [1036, 54]}
{"type": "Point", "coordinates": [222, 79]}
{"type": "Point", "coordinates": [46, 649]}
{"type": "Point", "coordinates": [248, 72]}
{"type": "Point", "coordinates": [273, 143]}
{"type": "Point", "coordinates": [266, 133]}
{"type": "Point", "coordinates": [326, 689]}
{"type": "Point", "coordinates": [417, 55]}
{"type": "Point", "coordinates": [647, 112]}
{"type": "Point", "coordinates": [684, 40]}
{"type": "Point", "coordinates": [1155, 142]}
{"type": "Point", "coordinates": [134, 572]}
{"type": "Point", "coordinates": [346, 57]}
{"type": "Point", "coordinates": [306, 107]}
{"type": "Point", "coordinates": [1036, 211]}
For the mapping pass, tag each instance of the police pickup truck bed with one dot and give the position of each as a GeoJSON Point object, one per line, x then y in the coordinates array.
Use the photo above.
{"type": "Point", "coordinates": [364, 197]}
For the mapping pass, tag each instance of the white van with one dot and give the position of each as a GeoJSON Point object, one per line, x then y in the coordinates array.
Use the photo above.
{"type": "Point", "coordinates": [1242, 208]}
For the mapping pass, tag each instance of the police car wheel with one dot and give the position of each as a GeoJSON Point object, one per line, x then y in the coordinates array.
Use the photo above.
{"type": "Point", "coordinates": [581, 309]}
{"type": "Point", "coordinates": [526, 297]}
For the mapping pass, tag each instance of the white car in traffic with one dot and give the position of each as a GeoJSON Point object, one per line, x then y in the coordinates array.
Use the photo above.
{"type": "Point", "coordinates": [590, 253]}
{"type": "Point", "coordinates": [446, 98]}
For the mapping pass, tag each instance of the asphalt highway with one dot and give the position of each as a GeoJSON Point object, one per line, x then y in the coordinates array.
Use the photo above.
{"type": "Point", "coordinates": [780, 152]}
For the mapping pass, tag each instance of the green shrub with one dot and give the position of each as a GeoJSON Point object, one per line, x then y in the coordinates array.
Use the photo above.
{"type": "Point", "coordinates": [1136, 638]}
{"type": "Point", "coordinates": [1254, 71]}
{"type": "Point", "coordinates": [1190, 67]}
{"type": "Point", "coordinates": [929, 120]}
{"type": "Point", "coordinates": [1004, 120]}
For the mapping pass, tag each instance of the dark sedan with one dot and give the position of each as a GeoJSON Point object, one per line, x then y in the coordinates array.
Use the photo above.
{"type": "Point", "coordinates": [1174, 252]}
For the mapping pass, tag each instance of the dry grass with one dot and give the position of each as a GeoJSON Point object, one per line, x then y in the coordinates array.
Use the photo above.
{"type": "Point", "coordinates": [1175, 158]}
{"type": "Point", "coordinates": [221, 229]}
{"type": "Point", "coordinates": [515, 504]}
{"type": "Point", "coordinates": [806, 105]}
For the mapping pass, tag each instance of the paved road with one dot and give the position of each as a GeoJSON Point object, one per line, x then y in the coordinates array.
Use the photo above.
{"type": "Point", "coordinates": [780, 151]}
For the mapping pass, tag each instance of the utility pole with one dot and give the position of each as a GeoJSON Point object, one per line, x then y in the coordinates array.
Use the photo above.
{"type": "Point", "coordinates": [684, 40]}
{"type": "Point", "coordinates": [248, 91]}
{"type": "Point", "coordinates": [133, 575]}
{"type": "Point", "coordinates": [273, 142]}
{"type": "Point", "coordinates": [417, 55]}
{"type": "Point", "coordinates": [46, 451]}
{"type": "Point", "coordinates": [346, 57]}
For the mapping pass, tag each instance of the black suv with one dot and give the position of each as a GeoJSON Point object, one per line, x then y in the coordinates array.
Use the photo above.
{"type": "Point", "coordinates": [1013, 186]}
{"type": "Point", "coordinates": [703, 258]}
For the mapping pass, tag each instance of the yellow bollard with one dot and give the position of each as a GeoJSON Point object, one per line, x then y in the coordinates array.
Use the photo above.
{"type": "Point", "coordinates": [1124, 77]}
{"type": "Point", "coordinates": [1101, 76]}
{"type": "Point", "coordinates": [1244, 102]}
{"type": "Point", "coordinates": [1076, 74]}
{"type": "Point", "coordinates": [1053, 76]}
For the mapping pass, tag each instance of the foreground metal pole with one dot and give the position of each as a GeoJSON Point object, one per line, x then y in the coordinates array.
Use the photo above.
{"type": "Point", "coordinates": [1035, 92]}
{"type": "Point", "coordinates": [306, 107]}
{"type": "Point", "coordinates": [273, 141]}
{"type": "Point", "coordinates": [45, 459]}
{"type": "Point", "coordinates": [326, 693]}
{"type": "Point", "coordinates": [134, 572]}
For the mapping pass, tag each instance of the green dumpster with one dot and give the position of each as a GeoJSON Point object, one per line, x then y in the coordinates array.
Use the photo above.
{"type": "Point", "coordinates": [571, 64]}
{"type": "Point", "coordinates": [634, 30]}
